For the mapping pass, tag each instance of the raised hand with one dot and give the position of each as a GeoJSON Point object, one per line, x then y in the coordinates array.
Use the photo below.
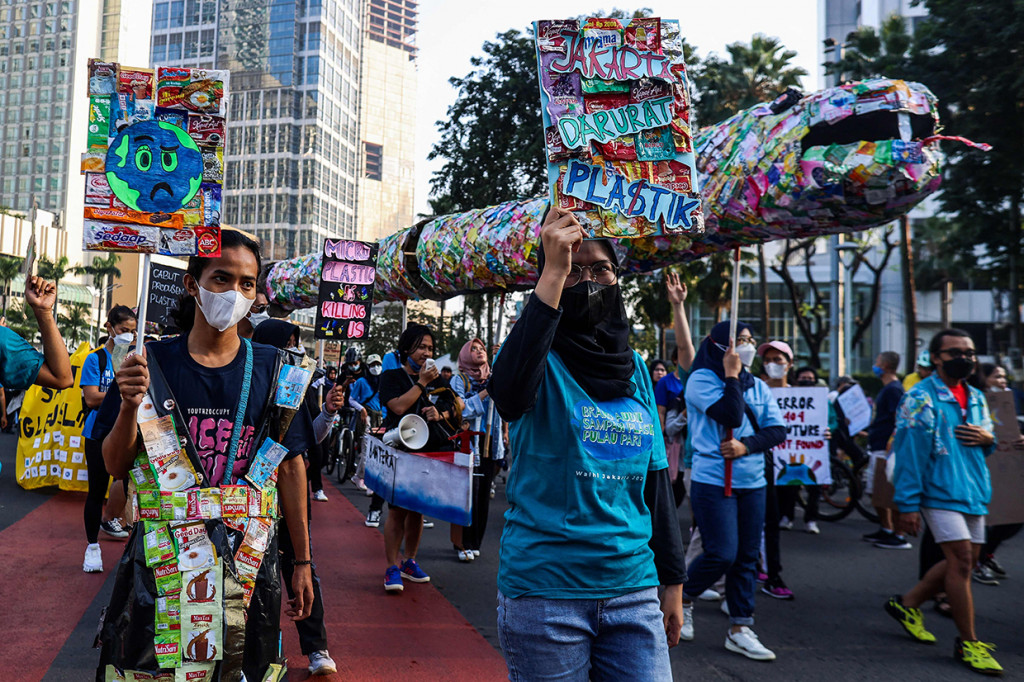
{"type": "Point", "coordinates": [675, 290]}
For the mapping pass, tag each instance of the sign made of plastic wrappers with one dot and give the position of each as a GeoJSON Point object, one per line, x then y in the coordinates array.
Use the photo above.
{"type": "Point", "coordinates": [155, 165]}
{"type": "Point", "coordinates": [616, 108]}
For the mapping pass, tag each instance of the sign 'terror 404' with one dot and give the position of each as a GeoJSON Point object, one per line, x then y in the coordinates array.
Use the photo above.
{"type": "Point", "coordinates": [347, 273]}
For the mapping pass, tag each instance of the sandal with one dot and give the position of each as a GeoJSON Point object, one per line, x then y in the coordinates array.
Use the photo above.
{"type": "Point", "coordinates": [943, 606]}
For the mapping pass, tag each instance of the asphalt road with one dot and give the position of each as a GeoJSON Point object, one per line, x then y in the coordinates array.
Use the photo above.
{"type": "Point", "coordinates": [834, 630]}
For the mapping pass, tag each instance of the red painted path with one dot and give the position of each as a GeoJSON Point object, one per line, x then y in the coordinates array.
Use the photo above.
{"type": "Point", "coordinates": [373, 635]}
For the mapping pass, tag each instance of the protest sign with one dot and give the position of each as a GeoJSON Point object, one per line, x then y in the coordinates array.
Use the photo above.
{"type": "Point", "coordinates": [616, 107]}
{"type": "Point", "coordinates": [154, 165]}
{"type": "Point", "coordinates": [436, 484]}
{"type": "Point", "coordinates": [802, 459]}
{"type": "Point", "coordinates": [166, 286]}
{"type": "Point", "coordinates": [1006, 464]}
{"type": "Point", "coordinates": [347, 272]}
{"type": "Point", "coordinates": [51, 450]}
{"type": "Point", "coordinates": [856, 408]}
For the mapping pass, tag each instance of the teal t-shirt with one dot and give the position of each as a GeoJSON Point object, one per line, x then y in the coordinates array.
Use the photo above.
{"type": "Point", "coordinates": [577, 526]}
{"type": "Point", "coordinates": [19, 361]}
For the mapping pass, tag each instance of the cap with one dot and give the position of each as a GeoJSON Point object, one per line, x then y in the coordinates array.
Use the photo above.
{"type": "Point", "coordinates": [924, 358]}
{"type": "Point", "coordinates": [780, 346]}
{"type": "Point", "coordinates": [373, 359]}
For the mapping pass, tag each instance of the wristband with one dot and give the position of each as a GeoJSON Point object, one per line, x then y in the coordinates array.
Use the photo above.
{"type": "Point", "coordinates": [302, 562]}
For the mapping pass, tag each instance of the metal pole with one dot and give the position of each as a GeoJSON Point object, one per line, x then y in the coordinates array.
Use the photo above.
{"type": "Point", "coordinates": [835, 357]}
{"type": "Point", "coordinates": [848, 319]}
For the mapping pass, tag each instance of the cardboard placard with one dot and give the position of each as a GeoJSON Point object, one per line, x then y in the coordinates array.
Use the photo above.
{"type": "Point", "coordinates": [166, 286]}
{"type": "Point", "coordinates": [154, 167]}
{"type": "Point", "coordinates": [803, 459]}
{"type": "Point", "coordinates": [1006, 464]}
{"type": "Point", "coordinates": [438, 485]}
{"type": "Point", "coordinates": [347, 273]}
{"type": "Point", "coordinates": [616, 107]}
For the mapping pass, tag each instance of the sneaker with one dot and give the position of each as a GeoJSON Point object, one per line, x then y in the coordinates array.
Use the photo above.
{"type": "Point", "coordinates": [464, 554]}
{"type": "Point", "coordinates": [372, 518]}
{"type": "Point", "coordinates": [994, 566]}
{"type": "Point", "coordinates": [975, 655]}
{"type": "Point", "coordinates": [476, 553]}
{"type": "Point", "coordinates": [785, 523]}
{"type": "Point", "coordinates": [746, 642]}
{"type": "Point", "coordinates": [910, 618]}
{"type": "Point", "coordinates": [686, 632]}
{"type": "Point", "coordinates": [321, 663]}
{"type": "Point", "coordinates": [412, 571]}
{"type": "Point", "coordinates": [427, 523]}
{"type": "Point", "coordinates": [393, 579]}
{"type": "Point", "coordinates": [778, 590]}
{"type": "Point", "coordinates": [359, 484]}
{"type": "Point", "coordinates": [762, 577]}
{"type": "Point", "coordinates": [725, 608]}
{"type": "Point", "coordinates": [320, 496]}
{"type": "Point", "coordinates": [93, 559]}
{"type": "Point", "coordinates": [369, 493]}
{"type": "Point", "coordinates": [710, 595]}
{"type": "Point", "coordinates": [984, 575]}
{"type": "Point", "coordinates": [876, 536]}
{"type": "Point", "coordinates": [113, 528]}
{"type": "Point", "coordinates": [893, 541]}
{"type": "Point", "coordinates": [812, 528]}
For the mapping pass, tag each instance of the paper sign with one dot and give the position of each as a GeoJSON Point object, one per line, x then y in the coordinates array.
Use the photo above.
{"type": "Point", "coordinates": [616, 108]}
{"type": "Point", "coordinates": [438, 485]}
{"type": "Point", "coordinates": [802, 459]}
{"type": "Point", "coordinates": [856, 408]}
{"type": "Point", "coordinates": [347, 273]}
{"type": "Point", "coordinates": [1006, 464]}
{"type": "Point", "coordinates": [155, 162]}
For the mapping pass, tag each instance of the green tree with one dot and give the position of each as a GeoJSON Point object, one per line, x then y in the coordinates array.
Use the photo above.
{"type": "Point", "coordinates": [75, 323]}
{"type": "Point", "coordinates": [22, 321]}
{"type": "Point", "coordinates": [103, 271]}
{"type": "Point", "coordinates": [56, 271]}
{"type": "Point", "coordinates": [10, 267]}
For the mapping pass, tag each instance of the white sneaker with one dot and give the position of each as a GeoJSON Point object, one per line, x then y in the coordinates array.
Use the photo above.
{"type": "Point", "coordinates": [93, 559]}
{"type": "Point", "coordinates": [710, 595]}
{"type": "Point", "coordinates": [476, 553]}
{"type": "Point", "coordinates": [686, 632]}
{"type": "Point", "coordinates": [746, 642]}
{"type": "Point", "coordinates": [372, 519]}
{"type": "Point", "coordinates": [320, 496]}
{"type": "Point", "coordinates": [321, 663]}
{"type": "Point", "coordinates": [785, 523]}
{"type": "Point", "coordinates": [427, 523]}
{"type": "Point", "coordinates": [464, 555]}
{"type": "Point", "coordinates": [812, 527]}
{"type": "Point", "coordinates": [725, 608]}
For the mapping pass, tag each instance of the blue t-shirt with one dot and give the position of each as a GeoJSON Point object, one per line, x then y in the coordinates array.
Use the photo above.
{"type": "Point", "coordinates": [577, 526]}
{"type": "Point", "coordinates": [208, 398]}
{"type": "Point", "coordinates": [884, 424]}
{"type": "Point", "coordinates": [669, 388]}
{"type": "Point", "coordinates": [704, 389]}
{"type": "Point", "coordinates": [91, 376]}
{"type": "Point", "coordinates": [366, 396]}
{"type": "Point", "coordinates": [19, 361]}
{"type": "Point", "coordinates": [390, 361]}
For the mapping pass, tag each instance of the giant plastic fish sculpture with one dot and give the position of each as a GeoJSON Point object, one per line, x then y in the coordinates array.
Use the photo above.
{"type": "Point", "coordinates": [842, 159]}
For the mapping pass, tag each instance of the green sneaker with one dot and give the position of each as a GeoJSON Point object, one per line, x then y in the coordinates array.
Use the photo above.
{"type": "Point", "coordinates": [911, 619]}
{"type": "Point", "coordinates": [975, 655]}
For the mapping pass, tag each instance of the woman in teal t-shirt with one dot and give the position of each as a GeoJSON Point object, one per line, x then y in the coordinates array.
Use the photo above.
{"type": "Point", "coordinates": [591, 529]}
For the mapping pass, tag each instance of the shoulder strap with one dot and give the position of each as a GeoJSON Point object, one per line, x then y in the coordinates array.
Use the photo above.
{"type": "Point", "coordinates": [101, 358]}
{"type": "Point", "coordinates": [751, 416]}
{"type": "Point", "coordinates": [165, 403]}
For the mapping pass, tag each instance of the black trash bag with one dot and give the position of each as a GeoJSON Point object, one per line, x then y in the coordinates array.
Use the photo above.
{"type": "Point", "coordinates": [126, 635]}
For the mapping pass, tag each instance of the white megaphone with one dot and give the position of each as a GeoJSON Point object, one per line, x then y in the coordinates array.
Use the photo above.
{"type": "Point", "coordinates": [411, 433]}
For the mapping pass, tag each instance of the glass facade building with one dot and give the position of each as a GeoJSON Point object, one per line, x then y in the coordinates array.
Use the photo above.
{"type": "Point", "coordinates": [292, 156]}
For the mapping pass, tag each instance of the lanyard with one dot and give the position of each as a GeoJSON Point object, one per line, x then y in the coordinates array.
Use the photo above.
{"type": "Point", "coordinates": [243, 404]}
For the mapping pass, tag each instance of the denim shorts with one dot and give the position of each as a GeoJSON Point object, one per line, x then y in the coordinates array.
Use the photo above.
{"type": "Point", "coordinates": [622, 638]}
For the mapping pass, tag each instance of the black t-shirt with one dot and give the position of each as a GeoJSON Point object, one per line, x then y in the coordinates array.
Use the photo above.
{"type": "Point", "coordinates": [208, 398]}
{"type": "Point", "coordinates": [885, 415]}
{"type": "Point", "coordinates": [397, 382]}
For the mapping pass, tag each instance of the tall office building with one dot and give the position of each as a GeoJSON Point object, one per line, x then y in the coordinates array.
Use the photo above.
{"type": "Point", "coordinates": [291, 163]}
{"type": "Point", "coordinates": [388, 118]}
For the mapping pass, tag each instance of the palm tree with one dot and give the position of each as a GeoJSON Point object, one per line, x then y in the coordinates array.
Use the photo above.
{"type": "Point", "coordinates": [103, 271]}
{"type": "Point", "coordinates": [56, 271]}
{"type": "Point", "coordinates": [10, 267]}
{"type": "Point", "coordinates": [75, 324]}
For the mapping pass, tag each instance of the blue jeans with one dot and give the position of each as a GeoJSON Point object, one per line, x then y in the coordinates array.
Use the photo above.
{"type": "Point", "coordinates": [730, 528]}
{"type": "Point", "coordinates": [621, 638]}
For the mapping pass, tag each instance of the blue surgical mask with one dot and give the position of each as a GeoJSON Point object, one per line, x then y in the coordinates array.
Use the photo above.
{"type": "Point", "coordinates": [415, 367]}
{"type": "Point", "coordinates": [877, 370]}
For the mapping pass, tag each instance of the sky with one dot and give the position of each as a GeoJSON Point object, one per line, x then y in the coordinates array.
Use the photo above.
{"type": "Point", "coordinates": [451, 32]}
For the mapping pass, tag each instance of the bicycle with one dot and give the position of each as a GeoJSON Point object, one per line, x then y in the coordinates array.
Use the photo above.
{"type": "Point", "coordinates": [341, 449]}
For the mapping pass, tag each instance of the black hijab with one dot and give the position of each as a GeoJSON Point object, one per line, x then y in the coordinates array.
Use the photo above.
{"type": "Point", "coordinates": [711, 354]}
{"type": "Point", "coordinates": [276, 333]}
{"type": "Point", "coordinates": [598, 355]}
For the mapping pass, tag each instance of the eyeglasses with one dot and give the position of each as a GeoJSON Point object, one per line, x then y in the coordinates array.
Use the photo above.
{"type": "Point", "coordinates": [257, 308]}
{"type": "Point", "coordinates": [602, 272]}
{"type": "Point", "coordinates": [746, 341]}
{"type": "Point", "coordinates": [956, 353]}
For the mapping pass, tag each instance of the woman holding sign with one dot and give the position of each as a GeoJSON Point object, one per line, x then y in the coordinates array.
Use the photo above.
{"type": "Point", "coordinates": [592, 529]}
{"type": "Point", "coordinates": [733, 416]}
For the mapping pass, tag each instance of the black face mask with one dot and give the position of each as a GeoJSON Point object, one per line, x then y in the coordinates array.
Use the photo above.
{"type": "Point", "coordinates": [587, 304]}
{"type": "Point", "coordinates": [958, 368]}
{"type": "Point", "coordinates": [806, 382]}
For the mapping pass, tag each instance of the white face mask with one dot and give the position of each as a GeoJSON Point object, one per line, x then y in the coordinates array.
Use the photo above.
{"type": "Point", "coordinates": [123, 339]}
{"type": "Point", "coordinates": [225, 309]}
{"type": "Point", "coordinates": [299, 350]}
{"type": "Point", "coordinates": [775, 370]}
{"type": "Point", "coordinates": [746, 353]}
{"type": "Point", "coordinates": [375, 370]}
{"type": "Point", "coordinates": [256, 319]}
